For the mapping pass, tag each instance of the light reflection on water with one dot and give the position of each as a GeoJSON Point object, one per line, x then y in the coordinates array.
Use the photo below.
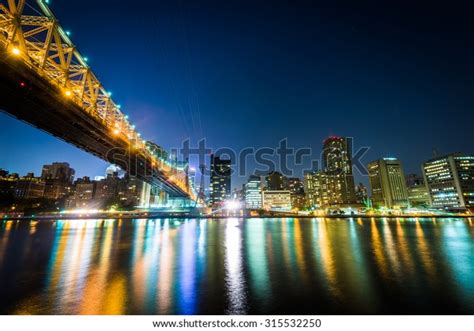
{"type": "Point", "coordinates": [237, 266]}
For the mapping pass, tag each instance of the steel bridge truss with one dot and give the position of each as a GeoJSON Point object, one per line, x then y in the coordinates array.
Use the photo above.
{"type": "Point", "coordinates": [30, 32]}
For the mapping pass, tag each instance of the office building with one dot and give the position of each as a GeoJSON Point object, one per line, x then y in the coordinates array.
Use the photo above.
{"type": "Point", "coordinates": [387, 184]}
{"type": "Point", "coordinates": [276, 200]}
{"type": "Point", "coordinates": [29, 187]}
{"type": "Point", "coordinates": [450, 181]}
{"type": "Point", "coordinates": [219, 181]}
{"type": "Point", "coordinates": [337, 163]}
{"type": "Point", "coordinates": [59, 171]}
{"type": "Point", "coordinates": [275, 181]}
{"type": "Point", "coordinates": [296, 188]}
{"type": "Point", "coordinates": [253, 193]}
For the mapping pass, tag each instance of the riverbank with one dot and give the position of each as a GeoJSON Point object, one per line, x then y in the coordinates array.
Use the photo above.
{"type": "Point", "coordinates": [129, 216]}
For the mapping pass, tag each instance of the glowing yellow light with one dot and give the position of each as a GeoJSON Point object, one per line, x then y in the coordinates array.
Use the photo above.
{"type": "Point", "coordinates": [16, 51]}
{"type": "Point", "coordinates": [67, 93]}
{"type": "Point", "coordinates": [116, 131]}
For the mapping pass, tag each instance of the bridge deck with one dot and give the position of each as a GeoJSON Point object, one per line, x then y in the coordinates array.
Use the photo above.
{"type": "Point", "coordinates": [32, 99]}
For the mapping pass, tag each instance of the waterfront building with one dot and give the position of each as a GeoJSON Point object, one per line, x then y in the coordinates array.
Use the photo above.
{"type": "Point", "coordinates": [219, 181]}
{"type": "Point", "coordinates": [59, 171]}
{"type": "Point", "coordinates": [362, 195]}
{"type": "Point", "coordinates": [337, 163]}
{"type": "Point", "coordinates": [324, 190]}
{"type": "Point", "coordinates": [7, 185]}
{"type": "Point", "coordinates": [253, 193]}
{"type": "Point", "coordinates": [275, 181]}
{"type": "Point", "coordinates": [414, 180]}
{"type": "Point", "coordinates": [450, 181]}
{"type": "Point", "coordinates": [238, 194]}
{"type": "Point", "coordinates": [276, 200]}
{"type": "Point", "coordinates": [58, 178]}
{"type": "Point", "coordinates": [56, 189]}
{"type": "Point", "coordinates": [29, 187]}
{"type": "Point", "coordinates": [387, 184]}
{"type": "Point", "coordinates": [296, 188]}
{"type": "Point", "coordinates": [134, 192]}
{"type": "Point", "coordinates": [84, 189]}
{"type": "Point", "coordinates": [106, 189]}
{"type": "Point", "coordinates": [418, 196]}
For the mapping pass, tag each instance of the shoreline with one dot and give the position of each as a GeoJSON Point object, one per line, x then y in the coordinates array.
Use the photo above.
{"type": "Point", "coordinates": [162, 216]}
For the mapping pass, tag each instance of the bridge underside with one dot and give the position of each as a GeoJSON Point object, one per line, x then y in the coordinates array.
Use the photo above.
{"type": "Point", "coordinates": [30, 98]}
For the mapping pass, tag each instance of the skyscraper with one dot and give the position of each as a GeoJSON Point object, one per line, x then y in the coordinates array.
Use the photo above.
{"type": "Point", "coordinates": [450, 181]}
{"type": "Point", "coordinates": [337, 165]}
{"type": "Point", "coordinates": [387, 183]}
{"type": "Point", "coordinates": [219, 181]}
{"type": "Point", "coordinates": [253, 193]}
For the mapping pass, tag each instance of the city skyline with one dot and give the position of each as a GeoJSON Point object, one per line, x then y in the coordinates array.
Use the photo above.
{"type": "Point", "coordinates": [317, 95]}
{"type": "Point", "coordinates": [286, 160]}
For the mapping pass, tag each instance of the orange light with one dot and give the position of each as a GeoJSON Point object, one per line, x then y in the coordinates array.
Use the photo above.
{"type": "Point", "coordinates": [116, 131]}
{"type": "Point", "coordinates": [67, 93]}
{"type": "Point", "coordinates": [16, 51]}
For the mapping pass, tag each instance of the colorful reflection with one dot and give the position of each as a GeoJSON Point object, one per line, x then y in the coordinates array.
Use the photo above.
{"type": "Point", "coordinates": [237, 266]}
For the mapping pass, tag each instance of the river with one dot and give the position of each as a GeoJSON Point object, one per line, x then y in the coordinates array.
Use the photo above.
{"type": "Point", "coordinates": [237, 266]}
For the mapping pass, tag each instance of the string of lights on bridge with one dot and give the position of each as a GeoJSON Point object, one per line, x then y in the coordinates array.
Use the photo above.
{"type": "Point", "coordinates": [56, 58]}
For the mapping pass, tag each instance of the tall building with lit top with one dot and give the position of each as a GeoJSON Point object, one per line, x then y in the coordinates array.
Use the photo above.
{"type": "Point", "coordinates": [450, 181]}
{"type": "Point", "coordinates": [220, 181]}
{"type": "Point", "coordinates": [387, 183]}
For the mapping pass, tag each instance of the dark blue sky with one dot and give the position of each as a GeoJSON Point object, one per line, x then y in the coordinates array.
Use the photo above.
{"type": "Point", "coordinates": [396, 76]}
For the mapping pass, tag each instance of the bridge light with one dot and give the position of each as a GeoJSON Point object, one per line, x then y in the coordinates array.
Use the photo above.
{"type": "Point", "coordinates": [86, 58]}
{"type": "Point", "coordinates": [109, 93]}
{"type": "Point", "coordinates": [68, 93]}
{"type": "Point", "coordinates": [116, 131]}
{"type": "Point", "coordinates": [68, 32]}
{"type": "Point", "coordinates": [126, 117]}
{"type": "Point", "coordinates": [119, 106]}
{"type": "Point", "coordinates": [16, 51]}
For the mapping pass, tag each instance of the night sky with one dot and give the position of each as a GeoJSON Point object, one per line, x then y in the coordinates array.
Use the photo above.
{"type": "Point", "coordinates": [395, 75]}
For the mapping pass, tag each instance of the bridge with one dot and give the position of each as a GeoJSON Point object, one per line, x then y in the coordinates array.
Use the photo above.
{"type": "Point", "coordinates": [47, 83]}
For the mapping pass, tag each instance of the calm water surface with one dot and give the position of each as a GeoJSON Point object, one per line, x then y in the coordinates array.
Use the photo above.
{"type": "Point", "coordinates": [237, 266]}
